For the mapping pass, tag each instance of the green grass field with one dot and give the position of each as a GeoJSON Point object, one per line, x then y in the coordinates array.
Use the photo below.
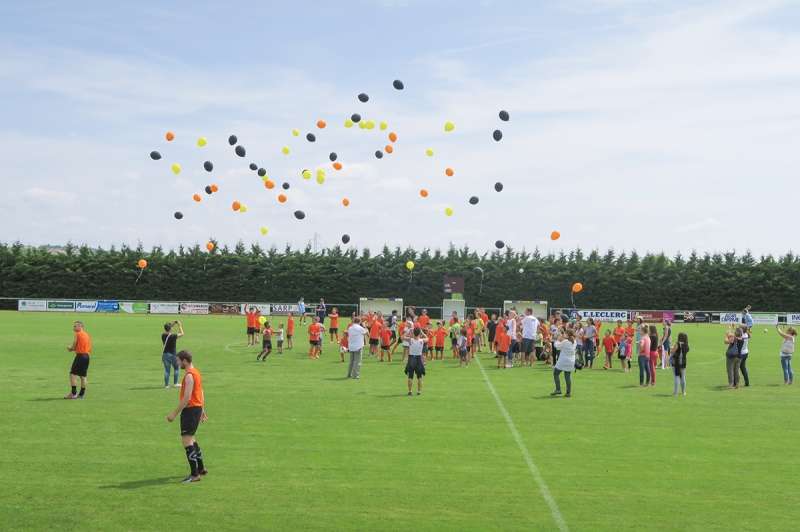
{"type": "Point", "coordinates": [292, 445]}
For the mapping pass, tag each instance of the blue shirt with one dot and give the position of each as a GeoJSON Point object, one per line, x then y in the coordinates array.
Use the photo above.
{"type": "Point", "coordinates": [301, 307]}
{"type": "Point", "coordinates": [748, 319]}
{"type": "Point", "coordinates": [321, 310]}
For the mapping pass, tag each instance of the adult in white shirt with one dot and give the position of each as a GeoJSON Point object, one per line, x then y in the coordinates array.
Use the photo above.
{"type": "Point", "coordinates": [529, 327]}
{"type": "Point", "coordinates": [566, 361]}
{"type": "Point", "coordinates": [416, 338]}
{"type": "Point", "coordinates": [356, 334]}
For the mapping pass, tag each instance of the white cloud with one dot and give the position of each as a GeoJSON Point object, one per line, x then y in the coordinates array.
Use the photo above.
{"type": "Point", "coordinates": [707, 224]}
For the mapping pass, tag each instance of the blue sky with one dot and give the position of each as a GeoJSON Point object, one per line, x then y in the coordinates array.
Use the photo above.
{"type": "Point", "coordinates": [634, 124]}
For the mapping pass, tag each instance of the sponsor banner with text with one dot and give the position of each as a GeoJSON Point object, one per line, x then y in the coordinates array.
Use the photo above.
{"type": "Point", "coordinates": [61, 306]}
{"type": "Point", "coordinates": [793, 318]}
{"type": "Point", "coordinates": [129, 307]}
{"type": "Point", "coordinates": [224, 308]}
{"type": "Point", "coordinates": [730, 317]}
{"type": "Point", "coordinates": [263, 308]}
{"type": "Point", "coordinates": [281, 309]}
{"type": "Point", "coordinates": [32, 305]}
{"type": "Point", "coordinates": [86, 306]}
{"type": "Point", "coordinates": [603, 315]}
{"type": "Point", "coordinates": [696, 316]}
{"type": "Point", "coordinates": [194, 308]}
{"type": "Point", "coordinates": [764, 318]}
{"type": "Point", "coordinates": [164, 308]}
{"type": "Point", "coordinates": [108, 306]}
{"type": "Point", "coordinates": [649, 316]}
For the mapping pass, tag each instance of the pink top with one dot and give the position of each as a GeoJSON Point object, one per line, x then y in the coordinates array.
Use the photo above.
{"type": "Point", "coordinates": [628, 349]}
{"type": "Point", "coordinates": [644, 346]}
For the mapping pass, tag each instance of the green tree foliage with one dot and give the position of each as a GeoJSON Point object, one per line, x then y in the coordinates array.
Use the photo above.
{"type": "Point", "coordinates": [720, 281]}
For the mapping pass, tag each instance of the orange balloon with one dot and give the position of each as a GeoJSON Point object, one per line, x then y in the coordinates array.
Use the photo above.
{"type": "Point", "coordinates": [388, 148]}
{"type": "Point", "coordinates": [321, 124]}
{"type": "Point", "coordinates": [338, 166]}
{"type": "Point", "coordinates": [449, 172]}
{"type": "Point", "coordinates": [577, 287]}
{"type": "Point", "coordinates": [423, 193]}
{"type": "Point", "coordinates": [214, 188]}
{"type": "Point", "coordinates": [345, 202]}
{"type": "Point", "coordinates": [282, 198]}
{"type": "Point", "coordinates": [555, 235]}
{"type": "Point", "coordinates": [196, 197]}
{"type": "Point", "coordinates": [170, 135]}
{"type": "Point", "coordinates": [142, 263]}
{"type": "Point", "coordinates": [393, 136]}
{"type": "Point", "coordinates": [236, 205]}
{"type": "Point", "coordinates": [210, 246]}
{"type": "Point", "coordinates": [269, 184]}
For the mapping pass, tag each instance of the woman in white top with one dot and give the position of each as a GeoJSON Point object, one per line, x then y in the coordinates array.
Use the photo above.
{"type": "Point", "coordinates": [589, 338]}
{"type": "Point", "coordinates": [787, 350]}
{"type": "Point", "coordinates": [416, 364]}
{"type": "Point", "coordinates": [745, 353]}
{"type": "Point", "coordinates": [566, 361]}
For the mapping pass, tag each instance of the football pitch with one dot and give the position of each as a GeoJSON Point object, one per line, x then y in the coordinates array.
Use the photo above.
{"type": "Point", "coordinates": [291, 444]}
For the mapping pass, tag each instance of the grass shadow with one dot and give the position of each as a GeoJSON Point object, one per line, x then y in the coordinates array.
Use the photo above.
{"type": "Point", "coordinates": [47, 399]}
{"type": "Point", "coordinates": [149, 388]}
{"type": "Point", "coordinates": [335, 378]}
{"type": "Point", "coordinates": [136, 484]}
{"type": "Point", "coordinates": [394, 395]}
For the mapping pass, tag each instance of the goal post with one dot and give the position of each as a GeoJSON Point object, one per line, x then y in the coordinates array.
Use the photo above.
{"type": "Point", "coordinates": [383, 304]}
{"type": "Point", "coordinates": [519, 306]}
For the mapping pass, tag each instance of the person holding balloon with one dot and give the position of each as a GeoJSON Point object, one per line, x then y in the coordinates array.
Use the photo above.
{"type": "Point", "coordinates": [565, 343]}
{"type": "Point", "coordinates": [252, 325]}
{"type": "Point", "coordinates": [266, 335]}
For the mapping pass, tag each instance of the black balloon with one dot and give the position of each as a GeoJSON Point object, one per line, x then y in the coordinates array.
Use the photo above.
{"type": "Point", "coordinates": [333, 156]}
{"type": "Point", "coordinates": [356, 118]}
{"type": "Point", "coordinates": [345, 239]}
{"type": "Point", "coordinates": [208, 165]}
{"type": "Point", "coordinates": [498, 186]}
{"type": "Point", "coordinates": [299, 215]}
{"type": "Point", "coordinates": [208, 190]}
{"type": "Point", "coordinates": [232, 140]}
{"type": "Point", "coordinates": [474, 200]}
{"type": "Point", "coordinates": [499, 244]}
{"type": "Point", "coordinates": [398, 84]}
{"type": "Point", "coordinates": [253, 166]}
{"type": "Point", "coordinates": [155, 155]}
{"type": "Point", "coordinates": [363, 97]}
{"type": "Point", "coordinates": [497, 135]}
{"type": "Point", "coordinates": [504, 116]}
{"type": "Point", "coordinates": [311, 137]}
{"type": "Point", "coordinates": [178, 215]}
{"type": "Point", "coordinates": [379, 154]}
{"type": "Point", "coordinates": [477, 270]}
{"type": "Point", "coordinates": [262, 172]}
{"type": "Point", "coordinates": [286, 186]}
{"type": "Point", "coordinates": [240, 151]}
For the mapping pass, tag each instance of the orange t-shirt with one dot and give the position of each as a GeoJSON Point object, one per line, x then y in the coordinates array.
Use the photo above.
{"type": "Point", "coordinates": [505, 342]}
{"type": "Point", "coordinates": [334, 320]}
{"type": "Point", "coordinates": [440, 334]}
{"type": "Point", "coordinates": [608, 344]}
{"type": "Point", "coordinates": [424, 320]}
{"type": "Point", "coordinates": [84, 345]}
{"type": "Point", "coordinates": [313, 331]}
{"type": "Point", "coordinates": [631, 331]}
{"type": "Point", "coordinates": [452, 321]}
{"type": "Point", "coordinates": [618, 332]}
{"type": "Point", "coordinates": [375, 330]}
{"type": "Point", "coordinates": [344, 342]}
{"type": "Point", "coordinates": [485, 319]}
{"type": "Point", "coordinates": [290, 326]}
{"type": "Point", "coordinates": [197, 389]}
{"type": "Point", "coordinates": [598, 324]}
{"type": "Point", "coordinates": [252, 318]}
{"type": "Point", "coordinates": [386, 336]}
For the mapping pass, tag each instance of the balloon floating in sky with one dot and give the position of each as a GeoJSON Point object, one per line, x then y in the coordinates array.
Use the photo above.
{"type": "Point", "coordinates": [311, 137]}
{"type": "Point", "coordinates": [410, 265]}
{"type": "Point", "coordinates": [178, 215]}
{"type": "Point", "coordinates": [320, 179]}
{"type": "Point", "coordinates": [306, 174]}
{"type": "Point", "coordinates": [477, 270]}
{"type": "Point", "coordinates": [295, 132]}
{"type": "Point", "coordinates": [236, 206]}
{"type": "Point", "coordinates": [333, 156]}
{"type": "Point", "coordinates": [449, 126]}
{"type": "Point", "coordinates": [348, 123]}
{"type": "Point", "coordinates": [356, 118]}
{"type": "Point", "coordinates": [448, 211]}
{"type": "Point", "coordinates": [208, 165]}
{"type": "Point", "coordinates": [555, 235]}
{"type": "Point", "coordinates": [321, 124]}
{"type": "Point", "coordinates": [240, 151]}
{"type": "Point", "coordinates": [345, 239]}
{"type": "Point", "coordinates": [214, 188]}
{"type": "Point", "coordinates": [392, 136]}
{"type": "Point", "coordinates": [449, 172]}
{"type": "Point", "coordinates": [253, 166]}
{"type": "Point", "coordinates": [474, 200]}
{"type": "Point", "coordinates": [345, 202]}
{"type": "Point", "coordinates": [176, 168]}
{"type": "Point", "coordinates": [397, 84]}
{"type": "Point", "coordinates": [142, 263]}
{"type": "Point", "coordinates": [170, 136]}
{"type": "Point", "coordinates": [155, 155]}
{"type": "Point", "coordinates": [262, 320]}
{"type": "Point", "coordinates": [285, 186]}
{"type": "Point", "coordinates": [379, 154]}
{"type": "Point", "coordinates": [243, 208]}
{"type": "Point", "coordinates": [202, 141]}
{"type": "Point", "coordinates": [232, 140]}
{"type": "Point", "coordinates": [299, 215]}
{"type": "Point", "coordinates": [285, 150]}
{"type": "Point", "coordinates": [370, 124]}
{"type": "Point", "coordinates": [504, 116]}
{"type": "Point", "coordinates": [497, 135]}
{"type": "Point", "coordinates": [210, 246]}
{"type": "Point", "coordinates": [499, 244]}
{"type": "Point", "coordinates": [208, 190]}
{"type": "Point", "coordinates": [388, 148]}
{"type": "Point", "coordinates": [423, 193]}
{"type": "Point", "coordinates": [521, 270]}
{"type": "Point", "coordinates": [498, 186]}
{"type": "Point", "coordinates": [262, 172]}
{"type": "Point", "coordinates": [429, 152]}
{"type": "Point", "coordinates": [362, 124]}
{"type": "Point", "coordinates": [269, 184]}
{"type": "Point", "coordinates": [577, 287]}
{"type": "Point", "coordinates": [264, 230]}
{"type": "Point", "coordinates": [337, 166]}
{"type": "Point", "coordinates": [363, 98]}
{"type": "Point", "coordinates": [383, 126]}
{"type": "Point", "coordinates": [282, 198]}
{"type": "Point", "coordinates": [196, 197]}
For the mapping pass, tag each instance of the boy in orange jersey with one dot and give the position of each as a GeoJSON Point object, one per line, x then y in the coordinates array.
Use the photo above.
{"type": "Point", "coordinates": [192, 410]}
{"type": "Point", "coordinates": [431, 345]}
{"type": "Point", "coordinates": [440, 334]}
{"type": "Point", "coordinates": [334, 329]}
{"type": "Point", "coordinates": [343, 344]}
{"type": "Point", "coordinates": [504, 343]}
{"type": "Point", "coordinates": [619, 332]}
{"type": "Point", "coordinates": [609, 346]}
{"type": "Point", "coordinates": [386, 340]}
{"type": "Point", "coordinates": [424, 320]}
{"type": "Point", "coordinates": [82, 347]}
{"type": "Point", "coordinates": [630, 330]}
{"type": "Point", "coordinates": [314, 337]}
{"type": "Point", "coordinates": [375, 327]}
{"type": "Point", "coordinates": [252, 325]}
{"type": "Point", "coordinates": [289, 330]}
{"type": "Point", "coordinates": [266, 347]}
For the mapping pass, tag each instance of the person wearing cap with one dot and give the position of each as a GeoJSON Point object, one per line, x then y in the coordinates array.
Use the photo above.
{"type": "Point", "coordinates": [424, 320]}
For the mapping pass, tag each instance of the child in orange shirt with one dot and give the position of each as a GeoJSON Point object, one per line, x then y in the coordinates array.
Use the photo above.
{"type": "Point", "coordinates": [334, 328]}
{"type": "Point", "coordinates": [314, 337]}
{"type": "Point", "coordinates": [441, 334]}
{"type": "Point", "coordinates": [386, 340]}
{"type": "Point", "coordinates": [343, 344]}
{"type": "Point", "coordinates": [266, 347]}
{"type": "Point", "coordinates": [504, 343]}
{"type": "Point", "coordinates": [609, 346]}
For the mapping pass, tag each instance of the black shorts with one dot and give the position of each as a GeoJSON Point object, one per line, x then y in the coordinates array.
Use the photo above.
{"type": "Point", "coordinates": [252, 330]}
{"type": "Point", "coordinates": [288, 336]}
{"type": "Point", "coordinates": [439, 349]}
{"type": "Point", "coordinates": [266, 344]}
{"type": "Point", "coordinates": [313, 342]}
{"type": "Point", "coordinates": [415, 366]}
{"type": "Point", "coordinates": [491, 337]}
{"type": "Point", "coordinates": [334, 330]}
{"type": "Point", "coordinates": [539, 350]}
{"type": "Point", "coordinates": [386, 347]}
{"type": "Point", "coordinates": [190, 420]}
{"type": "Point", "coordinates": [453, 341]}
{"type": "Point", "coordinates": [393, 338]}
{"type": "Point", "coordinates": [374, 341]}
{"type": "Point", "coordinates": [80, 365]}
{"type": "Point", "coordinates": [502, 353]}
{"type": "Point", "coordinates": [528, 345]}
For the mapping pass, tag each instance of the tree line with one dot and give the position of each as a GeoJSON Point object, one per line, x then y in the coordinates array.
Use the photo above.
{"type": "Point", "coordinates": [719, 281]}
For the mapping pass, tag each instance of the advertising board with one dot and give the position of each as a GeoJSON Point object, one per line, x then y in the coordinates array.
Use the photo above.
{"type": "Point", "coordinates": [264, 308]}
{"type": "Point", "coordinates": [730, 317]}
{"type": "Point", "coordinates": [108, 306]}
{"type": "Point", "coordinates": [604, 315]}
{"type": "Point", "coordinates": [649, 316]}
{"type": "Point", "coordinates": [281, 309]}
{"type": "Point", "coordinates": [32, 305]}
{"type": "Point", "coordinates": [157, 307]}
{"type": "Point", "coordinates": [194, 308]}
{"type": "Point", "coordinates": [696, 316]}
{"type": "Point", "coordinates": [61, 306]}
{"type": "Point", "coordinates": [86, 306]}
{"type": "Point", "coordinates": [129, 307]}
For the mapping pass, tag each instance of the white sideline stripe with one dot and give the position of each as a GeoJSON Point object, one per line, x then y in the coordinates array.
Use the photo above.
{"type": "Point", "coordinates": [562, 525]}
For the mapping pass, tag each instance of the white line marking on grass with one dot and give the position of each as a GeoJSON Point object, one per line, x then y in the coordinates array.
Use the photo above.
{"type": "Point", "coordinates": [228, 348]}
{"type": "Point", "coordinates": [720, 359]}
{"type": "Point", "coordinates": [551, 502]}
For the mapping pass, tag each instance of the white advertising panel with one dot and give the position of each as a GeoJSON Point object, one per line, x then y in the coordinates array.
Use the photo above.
{"type": "Point", "coordinates": [194, 308]}
{"type": "Point", "coordinates": [793, 318]}
{"type": "Point", "coordinates": [763, 318]}
{"type": "Point", "coordinates": [164, 308]}
{"type": "Point", "coordinates": [604, 315]}
{"type": "Point", "coordinates": [32, 305]}
{"type": "Point", "coordinates": [85, 306]}
{"type": "Point", "coordinates": [284, 308]}
{"type": "Point", "coordinates": [730, 317]}
{"type": "Point", "coordinates": [264, 308]}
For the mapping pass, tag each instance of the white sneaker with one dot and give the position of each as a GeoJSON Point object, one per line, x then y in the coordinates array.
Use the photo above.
{"type": "Point", "coordinates": [509, 366]}
{"type": "Point", "coordinates": [175, 386]}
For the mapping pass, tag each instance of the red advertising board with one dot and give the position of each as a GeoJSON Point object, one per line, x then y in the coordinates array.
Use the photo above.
{"type": "Point", "coordinates": [649, 316]}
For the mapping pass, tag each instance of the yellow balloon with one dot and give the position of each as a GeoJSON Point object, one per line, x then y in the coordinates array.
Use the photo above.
{"type": "Point", "coordinates": [348, 123]}
{"type": "Point", "coordinates": [286, 150]}
{"type": "Point", "coordinates": [295, 132]}
{"type": "Point", "coordinates": [262, 320]}
{"type": "Point", "coordinates": [265, 178]}
{"type": "Point", "coordinates": [264, 230]}
{"type": "Point", "coordinates": [321, 172]}
{"type": "Point", "coordinates": [243, 208]}
{"type": "Point", "coordinates": [384, 125]}
{"type": "Point", "coordinates": [202, 141]}
{"type": "Point", "coordinates": [176, 168]}
{"type": "Point", "coordinates": [429, 152]}
{"type": "Point", "coordinates": [370, 124]}
{"type": "Point", "coordinates": [449, 126]}
{"type": "Point", "coordinates": [362, 125]}
{"type": "Point", "coordinates": [410, 265]}
{"type": "Point", "coordinates": [306, 174]}
{"type": "Point", "coordinates": [320, 179]}
{"type": "Point", "coordinates": [448, 211]}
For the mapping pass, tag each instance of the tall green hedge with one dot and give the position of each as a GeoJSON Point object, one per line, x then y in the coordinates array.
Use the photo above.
{"type": "Point", "coordinates": [627, 281]}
